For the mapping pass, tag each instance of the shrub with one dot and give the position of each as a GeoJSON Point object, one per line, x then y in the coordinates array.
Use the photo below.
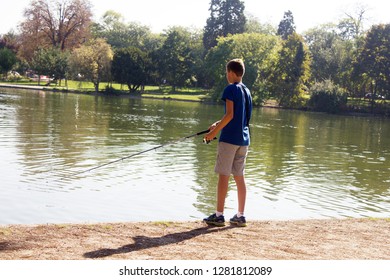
{"type": "Point", "coordinates": [327, 97]}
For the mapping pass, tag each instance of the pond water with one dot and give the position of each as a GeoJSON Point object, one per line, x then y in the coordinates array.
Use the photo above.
{"type": "Point", "coordinates": [301, 165]}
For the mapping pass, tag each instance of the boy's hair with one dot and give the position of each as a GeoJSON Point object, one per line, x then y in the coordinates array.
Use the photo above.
{"type": "Point", "coordinates": [236, 66]}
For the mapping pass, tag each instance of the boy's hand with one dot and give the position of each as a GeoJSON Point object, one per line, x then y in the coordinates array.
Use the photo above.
{"type": "Point", "coordinates": [210, 136]}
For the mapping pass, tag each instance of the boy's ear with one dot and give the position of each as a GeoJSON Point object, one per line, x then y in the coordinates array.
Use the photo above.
{"type": "Point", "coordinates": [234, 74]}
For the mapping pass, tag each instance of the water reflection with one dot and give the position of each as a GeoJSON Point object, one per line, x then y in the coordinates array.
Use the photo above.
{"type": "Point", "coordinates": [301, 165]}
{"type": "Point", "coordinates": [339, 162]}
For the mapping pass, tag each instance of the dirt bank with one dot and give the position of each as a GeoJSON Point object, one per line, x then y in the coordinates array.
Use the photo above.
{"type": "Point", "coordinates": [286, 240]}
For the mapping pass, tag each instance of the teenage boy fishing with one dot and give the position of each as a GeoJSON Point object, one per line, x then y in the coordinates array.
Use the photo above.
{"type": "Point", "coordinates": [233, 142]}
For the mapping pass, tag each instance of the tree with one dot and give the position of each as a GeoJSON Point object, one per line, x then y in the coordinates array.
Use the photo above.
{"type": "Point", "coordinates": [41, 62]}
{"type": "Point", "coordinates": [325, 46]}
{"type": "Point", "coordinates": [176, 58]}
{"type": "Point", "coordinates": [10, 41]}
{"type": "Point", "coordinates": [50, 61]}
{"type": "Point", "coordinates": [119, 34]}
{"type": "Point", "coordinates": [259, 52]}
{"type": "Point", "coordinates": [292, 71]}
{"type": "Point", "coordinates": [131, 66]}
{"type": "Point", "coordinates": [327, 97]}
{"type": "Point", "coordinates": [373, 61]}
{"type": "Point", "coordinates": [253, 25]}
{"type": "Point", "coordinates": [7, 60]}
{"type": "Point", "coordinates": [352, 27]}
{"type": "Point", "coordinates": [226, 17]}
{"type": "Point", "coordinates": [286, 26]}
{"type": "Point", "coordinates": [332, 56]}
{"type": "Point", "coordinates": [62, 24]}
{"type": "Point", "coordinates": [92, 61]}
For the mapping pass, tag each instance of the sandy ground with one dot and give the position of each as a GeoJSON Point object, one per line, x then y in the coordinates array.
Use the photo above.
{"type": "Point", "coordinates": [353, 239]}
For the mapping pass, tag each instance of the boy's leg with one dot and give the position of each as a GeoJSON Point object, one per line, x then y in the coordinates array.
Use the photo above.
{"type": "Point", "coordinates": [238, 173]}
{"type": "Point", "coordinates": [223, 184]}
{"type": "Point", "coordinates": [241, 193]}
{"type": "Point", "coordinates": [217, 219]}
{"type": "Point", "coordinates": [239, 219]}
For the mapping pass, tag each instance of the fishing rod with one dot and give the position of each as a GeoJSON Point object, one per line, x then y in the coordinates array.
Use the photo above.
{"type": "Point", "coordinates": [142, 152]}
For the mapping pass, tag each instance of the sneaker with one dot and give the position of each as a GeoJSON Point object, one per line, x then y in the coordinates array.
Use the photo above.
{"type": "Point", "coordinates": [213, 220]}
{"type": "Point", "coordinates": [240, 222]}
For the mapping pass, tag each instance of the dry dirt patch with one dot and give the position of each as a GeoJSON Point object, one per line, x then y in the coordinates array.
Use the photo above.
{"type": "Point", "coordinates": [277, 240]}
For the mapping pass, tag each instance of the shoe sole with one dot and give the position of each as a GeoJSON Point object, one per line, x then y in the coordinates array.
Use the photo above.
{"type": "Point", "coordinates": [215, 224]}
{"type": "Point", "coordinates": [237, 224]}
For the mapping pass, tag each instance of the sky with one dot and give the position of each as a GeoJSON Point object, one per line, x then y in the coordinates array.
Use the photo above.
{"type": "Point", "coordinates": [160, 15]}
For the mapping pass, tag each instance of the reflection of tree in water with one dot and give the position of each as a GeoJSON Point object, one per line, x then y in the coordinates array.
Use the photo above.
{"type": "Point", "coordinates": [206, 179]}
{"type": "Point", "coordinates": [55, 129]}
{"type": "Point", "coordinates": [309, 159]}
{"type": "Point", "coordinates": [315, 157]}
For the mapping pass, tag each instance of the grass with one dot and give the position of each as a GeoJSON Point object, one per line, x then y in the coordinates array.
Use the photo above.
{"type": "Point", "coordinates": [5, 231]}
{"type": "Point", "coordinates": [378, 219]}
{"type": "Point", "coordinates": [365, 102]}
{"type": "Point", "coordinates": [166, 92]}
{"type": "Point", "coordinates": [366, 106]}
{"type": "Point", "coordinates": [163, 223]}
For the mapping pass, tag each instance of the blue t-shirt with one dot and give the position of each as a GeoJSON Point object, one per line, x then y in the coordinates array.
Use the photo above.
{"type": "Point", "coordinates": [236, 132]}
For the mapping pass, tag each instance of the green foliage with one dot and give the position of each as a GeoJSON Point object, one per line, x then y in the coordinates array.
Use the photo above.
{"type": "Point", "coordinates": [351, 27]}
{"type": "Point", "coordinates": [7, 60]}
{"type": "Point", "coordinates": [131, 66]}
{"type": "Point", "coordinates": [226, 17]}
{"type": "Point", "coordinates": [332, 56]}
{"type": "Point", "coordinates": [326, 51]}
{"type": "Point", "coordinates": [50, 61]}
{"type": "Point", "coordinates": [121, 35]}
{"type": "Point", "coordinates": [176, 57]}
{"type": "Point", "coordinates": [286, 26]}
{"type": "Point", "coordinates": [259, 52]}
{"type": "Point", "coordinates": [10, 41]}
{"type": "Point", "coordinates": [327, 97]}
{"type": "Point", "coordinates": [373, 61]}
{"type": "Point", "coordinates": [253, 25]}
{"type": "Point", "coordinates": [92, 61]}
{"type": "Point", "coordinates": [290, 76]}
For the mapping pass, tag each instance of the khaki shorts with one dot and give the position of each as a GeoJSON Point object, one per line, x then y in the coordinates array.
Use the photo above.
{"type": "Point", "coordinates": [231, 159]}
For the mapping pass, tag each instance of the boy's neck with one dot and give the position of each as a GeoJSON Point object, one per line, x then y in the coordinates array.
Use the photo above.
{"type": "Point", "coordinates": [237, 81]}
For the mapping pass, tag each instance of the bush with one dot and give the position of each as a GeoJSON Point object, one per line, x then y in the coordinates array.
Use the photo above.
{"type": "Point", "coordinates": [327, 97]}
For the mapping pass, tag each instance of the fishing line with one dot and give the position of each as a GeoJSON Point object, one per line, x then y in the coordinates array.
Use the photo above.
{"type": "Point", "coordinates": [136, 154]}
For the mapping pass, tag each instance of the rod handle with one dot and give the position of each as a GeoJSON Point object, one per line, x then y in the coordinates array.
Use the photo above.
{"type": "Point", "coordinates": [203, 132]}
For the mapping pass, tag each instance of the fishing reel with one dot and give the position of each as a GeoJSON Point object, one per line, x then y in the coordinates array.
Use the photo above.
{"type": "Point", "coordinates": [208, 141]}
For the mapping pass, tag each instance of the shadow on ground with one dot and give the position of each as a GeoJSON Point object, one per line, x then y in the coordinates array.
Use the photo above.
{"type": "Point", "coordinates": [145, 242]}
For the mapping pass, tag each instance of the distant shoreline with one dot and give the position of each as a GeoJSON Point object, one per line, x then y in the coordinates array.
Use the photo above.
{"type": "Point", "coordinates": [100, 93]}
{"type": "Point", "coordinates": [269, 104]}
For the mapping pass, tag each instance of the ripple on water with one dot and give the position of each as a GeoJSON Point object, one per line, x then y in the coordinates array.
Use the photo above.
{"type": "Point", "coordinates": [300, 164]}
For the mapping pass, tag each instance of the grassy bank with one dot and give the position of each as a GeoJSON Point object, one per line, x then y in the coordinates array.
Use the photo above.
{"type": "Point", "coordinates": [166, 92]}
{"type": "Point", "coordinates": [354, 105]}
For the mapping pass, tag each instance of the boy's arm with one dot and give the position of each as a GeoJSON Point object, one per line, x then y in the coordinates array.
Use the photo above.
{"type": "Point", "coordinates": [217, 126]}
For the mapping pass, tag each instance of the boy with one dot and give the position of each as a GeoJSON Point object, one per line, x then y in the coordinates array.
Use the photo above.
{"type": "Point", "coordinates": [233, 142]}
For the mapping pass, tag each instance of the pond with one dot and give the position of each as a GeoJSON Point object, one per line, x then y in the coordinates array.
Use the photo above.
{"type": "Point", "coordinates": [301, 165]}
